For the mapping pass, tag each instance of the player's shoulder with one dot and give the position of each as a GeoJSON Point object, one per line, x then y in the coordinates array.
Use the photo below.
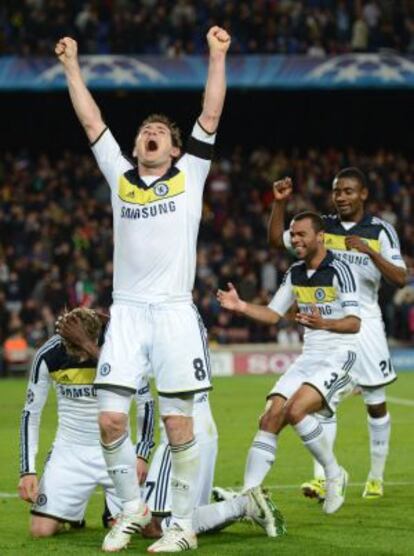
{"type": "Point", "coordinates": [331, 222]}
{"type": "Point", "coordinates": [297, 266]}
{"type": "Point", "coordinates": [343, 272]}
{"type": "Point", "coordinates": [52, 352]}
{"type": "Point", "coordinates": [387, 228]}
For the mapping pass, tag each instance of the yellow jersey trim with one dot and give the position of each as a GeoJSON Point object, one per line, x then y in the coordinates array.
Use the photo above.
{"type": "Point", "coordinates": [314, 294]}
{"type": "Point", "coordinates": [74, 376]}
{"type": "Point", "coordinates": [164, 189]}
{"type": "Point", "coordinates": [334, 241]}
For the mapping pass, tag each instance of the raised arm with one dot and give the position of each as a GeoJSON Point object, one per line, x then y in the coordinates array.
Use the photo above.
{"type": "Point", "coordinates": [282, 191]}
{"type": "Point", "coordinates": [215, 91]}
{"type": "Point", "coordinates": [85, 107]}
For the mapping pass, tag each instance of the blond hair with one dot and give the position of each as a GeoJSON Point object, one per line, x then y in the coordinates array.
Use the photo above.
{"type": "Point", "coordinates": [91, 324]}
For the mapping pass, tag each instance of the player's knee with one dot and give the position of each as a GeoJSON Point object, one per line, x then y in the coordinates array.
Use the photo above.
{"type": "Point", "coordinates": [377, 411]}
{"type": "Point", "coordinates": [294, 413]}
{"type": "Point", "coordinates": [44, 527]}
{"type": "Point", "coordinates": [271, 420]}
{"type": "Point", "coordinates": [179, 429]}
{"type": "Point", "coordinates": [112, 425]}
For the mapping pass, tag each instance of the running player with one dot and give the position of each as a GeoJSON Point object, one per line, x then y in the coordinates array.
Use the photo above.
{"type": "Point", "coordinates": [327, 297]}
{"type": "Point", "coordinates": [75, 465]}
{"type": "Point", "coordinates": [371, 247]}
{"type": "Point", "coordinates": [157, 210]}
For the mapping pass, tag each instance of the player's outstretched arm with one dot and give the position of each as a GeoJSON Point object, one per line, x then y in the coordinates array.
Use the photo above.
{"type": "Point", "coordinates": [231, 301]}
{"type": "Point", "coordinates": [282, 191]}
{"type": "Point", "coordinates": [218, 42]}
{"type": "Point", "coordinates": [85, 107]}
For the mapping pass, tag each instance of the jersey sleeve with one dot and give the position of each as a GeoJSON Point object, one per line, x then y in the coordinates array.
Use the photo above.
{"type": "Point", "coordinates": [109, 157]}
{"type": "Point", "coordinates": [36, 396]}
{"type": "Point", "coordinates": [145, 420]}
{"type": "Point", "coordinates": [347, 285]}
{"type": "Point", "coordinates": [390, 246]}
{"type": "Point", "coordinates": [195, 164]}
{"type": "Point", "coordinates": [284, 298]}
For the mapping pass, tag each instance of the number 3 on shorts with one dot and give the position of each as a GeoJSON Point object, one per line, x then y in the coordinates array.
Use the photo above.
{"type": "Point", "coordinates": [199, 370]}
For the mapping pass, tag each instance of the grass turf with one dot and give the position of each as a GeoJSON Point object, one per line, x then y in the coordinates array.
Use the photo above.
{"type": "Point", "coordinates": [361, 527]}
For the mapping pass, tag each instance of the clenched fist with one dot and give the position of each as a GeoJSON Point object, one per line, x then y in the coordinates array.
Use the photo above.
{"type": "Point", "coordinates": [218, 40]}
{"type": "Point", "coordinates": [67, 51]}
{"type": "Point", "coordinates": [282, 189]}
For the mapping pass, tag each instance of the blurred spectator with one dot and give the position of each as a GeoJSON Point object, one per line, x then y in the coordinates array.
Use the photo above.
{"type": "Point", "coordinates": [31, 27]}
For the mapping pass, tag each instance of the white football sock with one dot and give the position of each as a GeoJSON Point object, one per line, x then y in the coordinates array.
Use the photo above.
{"type": "Point", "coordinates": [260, 458]}
{"type": "Point", "coordinates": [185, 463]}
{"type": "Point", "coordinates": [121, 463]}
{"type": "Point", "coordinates": [313, 437]}
{"type": "Point", "coordinates": [219, 515]}
{"type": "Point", "coordinates": [379, 436]}
{"type": "Point", "coordinates": [329, 428]}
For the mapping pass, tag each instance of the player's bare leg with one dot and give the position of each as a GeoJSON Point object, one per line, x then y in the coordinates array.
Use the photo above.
{"type": "Point", "coordinates": [42, 526]}
{"type": "Point", "coordinates": [176, 415]}
{"type": "Point", "coordinates": [120, 459]}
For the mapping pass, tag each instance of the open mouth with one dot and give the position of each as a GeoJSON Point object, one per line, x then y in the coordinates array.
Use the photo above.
{"type": "Point", "coordinates": [152, 145]}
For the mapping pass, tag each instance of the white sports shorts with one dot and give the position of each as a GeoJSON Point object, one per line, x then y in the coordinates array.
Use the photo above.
{"type": "Point", "coordinates": [157, 486]}
{"type": "Point", "coordinates": [329, 373]}
{"type": "Point", "coordinates": [167, 340]}
{"type": "Point", "coordinates": [374, 366]}
{"type": "Point", "coordinates": [71, 474]}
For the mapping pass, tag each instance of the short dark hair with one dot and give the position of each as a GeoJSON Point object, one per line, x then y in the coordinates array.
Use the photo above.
{"type": "Point", "coordinates": [172, 126]}
{"type": "Point", "coordinates": [317, 221]}
{"type": "Point", "coordinates": [354, 174]}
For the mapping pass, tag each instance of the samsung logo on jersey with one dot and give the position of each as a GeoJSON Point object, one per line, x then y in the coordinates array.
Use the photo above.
{"type": "Point", "coordinates": [353, 258]}
{"type": "Point", "coordinates": [147, 212]}
{"type": "Point", "coordinates": [75, 392]}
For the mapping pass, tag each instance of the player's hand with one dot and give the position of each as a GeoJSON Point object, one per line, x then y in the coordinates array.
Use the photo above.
{"type": "Point", "coordinates": [230, 299]}
{"type": "Point", "coordinates": [282, 189]}
{"type": "Point", "coordinates": [311, 320]}
{"type": "Point", "coordinates": [28, 488]}
{"type": "Point", "coordinates": [66, 50]}
{"type": "Point", "coordinates": [142, 470]}
{"type": "Point", "coordinates": [355, 242]}
{"type": "Point", "coordinates": [218, 40]}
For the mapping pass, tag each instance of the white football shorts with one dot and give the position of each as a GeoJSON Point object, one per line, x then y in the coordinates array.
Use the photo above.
{"type": "Point", "coordinates": [167, 340]}
{"type": "Point", "coordinates": [374, 367]}
{"type": "Point", "coordinates": [71, 474]}
{"type": "Point", "coordinates": [329, 373]}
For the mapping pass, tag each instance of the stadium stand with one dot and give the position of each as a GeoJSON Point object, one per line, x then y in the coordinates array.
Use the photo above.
{"type": "Point", "coordinates": [316, 27]}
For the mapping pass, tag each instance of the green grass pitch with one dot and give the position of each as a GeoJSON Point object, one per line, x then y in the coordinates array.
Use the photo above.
{"type": "Point", "coordinates": [361, 527]}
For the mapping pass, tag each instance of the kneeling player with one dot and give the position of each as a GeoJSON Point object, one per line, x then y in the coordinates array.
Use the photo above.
{"type": "Point", "coordinates": [327, 296]}
{"type": "Point", "coordinates": [75, 465]}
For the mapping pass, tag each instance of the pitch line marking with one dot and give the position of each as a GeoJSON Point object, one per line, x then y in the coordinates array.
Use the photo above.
{"type": "Point", "coordinates": [400, 401]}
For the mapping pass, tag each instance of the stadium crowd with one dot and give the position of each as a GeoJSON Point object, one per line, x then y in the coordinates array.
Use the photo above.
{"type": "Point", "coordinates": [56, 236]}
{"type": "Point", "coordinates": [314, 27]}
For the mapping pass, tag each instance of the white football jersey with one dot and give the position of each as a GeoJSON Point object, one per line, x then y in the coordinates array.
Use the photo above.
{"type": "Point", "coordinates": [381, 237]}
{"type": "Point", "coordinates": [332, 288]}
{"type": "Point", "coordinates": [76, 404]}
{"type": "Point", "coordinates": [156, 220]}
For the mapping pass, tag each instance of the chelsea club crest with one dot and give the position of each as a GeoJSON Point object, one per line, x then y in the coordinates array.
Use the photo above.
{"type": "Point", "coordinates": [161, 189]}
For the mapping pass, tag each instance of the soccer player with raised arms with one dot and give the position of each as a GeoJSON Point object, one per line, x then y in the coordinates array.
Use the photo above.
{"type": "Point", "coordinates": [371, 247]}
{"type": "Point", "coordinates": [154, 324]}
{"type": "Point", "coordinates": [326, 294]}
